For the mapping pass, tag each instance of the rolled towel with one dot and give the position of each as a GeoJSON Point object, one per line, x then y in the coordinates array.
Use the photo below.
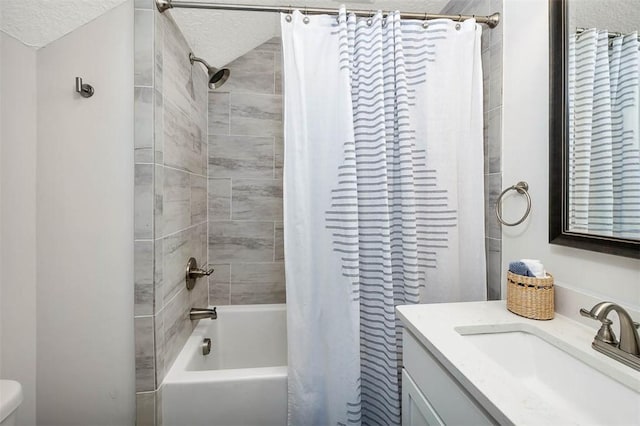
{"type": "Point", "coordinates": [536, 267]}
{"type": "Point", "coordinates": [520, 268]}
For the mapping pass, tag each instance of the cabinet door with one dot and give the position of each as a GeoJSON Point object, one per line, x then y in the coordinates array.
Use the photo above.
{"type": "Point", "coordinates": [416, 409]}
{"type": "Point", "coordinates": [454, 404]}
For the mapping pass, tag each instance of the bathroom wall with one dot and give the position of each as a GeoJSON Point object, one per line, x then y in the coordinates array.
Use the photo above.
{"type": "Point", "coordinates": [171, 198]}
{"type": "Point", "coordinates": [18, 220]}
{"type": "Point", "coordinates": [245, 181]}
{"type": "Point", "coordinates": [525, 157]}
{"type": "Point", "coordinates": [84, 256]}
{"type": "Point", "coordinates": [492, 73]}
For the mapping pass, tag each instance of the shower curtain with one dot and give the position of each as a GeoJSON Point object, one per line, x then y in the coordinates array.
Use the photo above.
{"type": "Point", "coordinates": [604, 134]}
{"type": "Point", "coordinates": [383, 199]}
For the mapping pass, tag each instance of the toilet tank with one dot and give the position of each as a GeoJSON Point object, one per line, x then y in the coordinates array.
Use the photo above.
{"type": "Point", "coordinates": [10, 400]}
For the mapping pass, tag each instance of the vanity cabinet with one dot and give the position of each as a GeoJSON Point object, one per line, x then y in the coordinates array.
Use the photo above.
{"type": "Point", "coordinates": [431, 395]}
{"type": "Point", "coordinates": [416, 408]}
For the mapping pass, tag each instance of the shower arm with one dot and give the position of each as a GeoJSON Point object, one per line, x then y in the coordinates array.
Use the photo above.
{"type": "Point", "coordinates": [193, 58]}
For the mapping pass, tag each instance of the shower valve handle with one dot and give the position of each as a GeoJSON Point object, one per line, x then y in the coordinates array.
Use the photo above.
{"type": "Point", "coordinates": [193, 273]}
{"type": "Point", "coordinates": [201, 273]}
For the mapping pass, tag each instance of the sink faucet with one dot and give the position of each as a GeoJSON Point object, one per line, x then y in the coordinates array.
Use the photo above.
{"type": "Point", "coordinates": [202, 313]}
{"type": "Point", "coordinates": [627, 350]}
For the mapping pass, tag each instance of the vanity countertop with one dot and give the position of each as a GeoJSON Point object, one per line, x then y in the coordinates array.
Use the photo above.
{"type": "Point", "coordinates": [436, 327]}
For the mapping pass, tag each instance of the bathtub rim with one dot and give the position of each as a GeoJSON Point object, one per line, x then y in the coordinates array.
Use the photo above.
{"type": "Point", "coordinates": [178, 372]}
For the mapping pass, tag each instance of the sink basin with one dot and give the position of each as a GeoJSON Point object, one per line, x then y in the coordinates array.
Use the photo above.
{"type": "Point", "coordinates": [562, 379]}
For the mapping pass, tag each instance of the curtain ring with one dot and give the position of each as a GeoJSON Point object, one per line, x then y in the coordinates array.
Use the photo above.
{"type": "Point", "coordinates": [458, 26]}
{"type": "Point", "coordinates": [288, 17]}
{"type": "Point", "coordinates": [522, 188]}
{"type": "Point", "coordinates": [306, 17]}
{"type": "Point", "coordinates": [370, 19]}
{"type": "Point", "coordinates": [425, 24]}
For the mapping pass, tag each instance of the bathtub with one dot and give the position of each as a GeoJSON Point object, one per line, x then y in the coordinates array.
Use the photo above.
{"type": "Point", "coordinates": [242, 382]}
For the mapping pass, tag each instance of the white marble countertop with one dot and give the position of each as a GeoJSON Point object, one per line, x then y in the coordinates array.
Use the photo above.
{"type": "Point", "coordinates": [502, 394]}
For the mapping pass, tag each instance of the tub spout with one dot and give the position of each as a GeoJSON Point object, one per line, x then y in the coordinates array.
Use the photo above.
{"type": "Point", "coordinates": [202, 313]}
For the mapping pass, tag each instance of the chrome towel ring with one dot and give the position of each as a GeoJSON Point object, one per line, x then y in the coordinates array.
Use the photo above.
{"type": "Point", "coordinates": [522, 188]}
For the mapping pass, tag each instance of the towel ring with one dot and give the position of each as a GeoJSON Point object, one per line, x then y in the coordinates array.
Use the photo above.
{"type": "Point", "coordinates": [522, 188]}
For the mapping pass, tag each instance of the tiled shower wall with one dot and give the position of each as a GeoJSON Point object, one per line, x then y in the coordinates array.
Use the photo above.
{"type": "Point", "coordinates": [245, 181]}
{"type": "Point", "coordinates": [492, 72]}
{"type": "Point", "coordinates": [170, 198]}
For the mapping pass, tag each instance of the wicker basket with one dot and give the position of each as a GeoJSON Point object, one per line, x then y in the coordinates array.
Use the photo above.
{"type": "Point", "coordinates": [530, 297]}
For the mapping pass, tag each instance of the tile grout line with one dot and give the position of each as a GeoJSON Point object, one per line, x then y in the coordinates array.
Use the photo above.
{"type": "Point", "coordinates": [144, 392]}
{"type": "Point", "coordinates": [230, 274]}
{"type": "Point", "coordinates": [230, 199]}
{"type": "Point", "coordinates": [207, 207]}
{"type": "Point", "coordinates": [143, 316]}
{"type": "Point", "coordinates": [155, 113]}
{"type": "Point", "coordinates": [183, 170]}
{"type": "Point", "coordinates": [188, 228]}
{"type": "Point", "coordinates": [213, 135]}
{"type": "Point", "coordinates": [264, 262]}
{"type": "Point", "coordinates": [274, 71]}
{"type": "Point", "coordinates": [246, 221]}
{"type": "Point", "coordinates": [229, 114]}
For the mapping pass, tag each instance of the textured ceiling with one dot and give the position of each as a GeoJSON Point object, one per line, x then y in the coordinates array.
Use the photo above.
{"type": "Point", "coordinates": [221, 36]}
{"type": "Point", "coordinates": [39, 22]}
{"type": "Point", "coordinates": [217, 36]}
{"type": "Point", "coordinates": [614, 15]}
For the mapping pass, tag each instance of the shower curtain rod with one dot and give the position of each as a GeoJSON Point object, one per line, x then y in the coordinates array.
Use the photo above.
{"type": "Point", "coordinates": [611, 34]}
{"type": "Point", "coordinates": [492, 20]}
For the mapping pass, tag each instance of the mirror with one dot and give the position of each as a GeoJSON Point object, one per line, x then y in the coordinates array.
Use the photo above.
{"type": "Point", "coordinates": [594, 144]}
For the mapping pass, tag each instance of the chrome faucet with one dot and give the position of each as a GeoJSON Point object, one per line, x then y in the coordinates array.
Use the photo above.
{"type": "Point", "coordinates": [627, 350]}
{"type": "Point", "coordinates": [202, 313]}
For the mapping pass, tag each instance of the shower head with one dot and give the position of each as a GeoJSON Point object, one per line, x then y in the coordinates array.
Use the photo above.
{"type": "Point", "coordinates": [217, 77]}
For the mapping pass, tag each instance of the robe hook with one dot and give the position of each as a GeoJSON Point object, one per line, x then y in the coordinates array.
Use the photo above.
{"type": "Point", "coordinates": [85, 90]}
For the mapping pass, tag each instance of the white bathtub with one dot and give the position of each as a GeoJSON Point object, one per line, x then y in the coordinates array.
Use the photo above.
{"type": "Point", "coordinates": [242, 382]}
